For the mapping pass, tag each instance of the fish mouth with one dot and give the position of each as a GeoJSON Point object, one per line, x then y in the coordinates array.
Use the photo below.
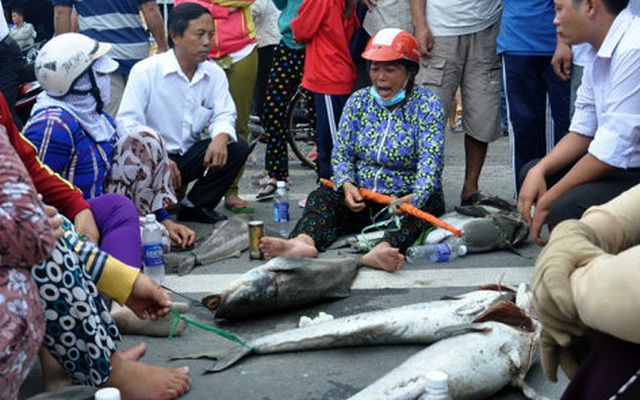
{"type": "Point", "coordinates": [212, 302]}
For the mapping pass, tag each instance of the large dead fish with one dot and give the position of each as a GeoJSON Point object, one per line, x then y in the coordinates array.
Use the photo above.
{"type": "Point", "coordinates": [228, 239]}
{"type": "Point", "coordinates": [492, 225]}
{"type": "Point", "coordinates": [282, 283]}
{"type": "Point", "coordinates": [492, 354]}
{"type": "Point", "coordinates": [414, 323]}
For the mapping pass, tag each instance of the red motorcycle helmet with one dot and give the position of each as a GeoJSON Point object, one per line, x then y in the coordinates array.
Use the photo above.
{"type": "Point", "coordinates": [392, 44]}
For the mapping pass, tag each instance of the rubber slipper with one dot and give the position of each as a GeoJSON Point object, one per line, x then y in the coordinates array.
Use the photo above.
{"type": "Point", "coordinates": [239, 207]}
{"type": "Point", "coordinates": [267, 191]}
{"type": "Point", "coordinates": [472, 200]}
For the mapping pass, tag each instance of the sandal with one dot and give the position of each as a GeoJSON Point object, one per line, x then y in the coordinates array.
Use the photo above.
{"type": "Point", "coordinates": [239, 207]}
{"type": "Point", "coordinates": [267, 190]}
{"type": "Point", "coordinates": [472, 200]}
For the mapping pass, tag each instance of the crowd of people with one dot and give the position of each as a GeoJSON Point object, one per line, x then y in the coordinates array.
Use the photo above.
{"type": "Point", "coordinates": [118, 134]}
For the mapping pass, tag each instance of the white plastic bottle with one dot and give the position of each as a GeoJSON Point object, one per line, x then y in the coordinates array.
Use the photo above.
{"type": "Point", "coordinates": [152, 255]}
{"type": "Point", "coordinates": [108, 393]}
{"type": "Point", "coordinates": [281, 209]}
{"type": "Point", "coordinates": [436, 386]}
{"type": "Point", "coordinates": [438, 252]}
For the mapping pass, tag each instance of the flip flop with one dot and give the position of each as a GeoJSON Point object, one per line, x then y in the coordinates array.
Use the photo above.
{"type": "Point", "coordinates": [267, 191]}
{"type": "Point", "coordinates": [239, 207]}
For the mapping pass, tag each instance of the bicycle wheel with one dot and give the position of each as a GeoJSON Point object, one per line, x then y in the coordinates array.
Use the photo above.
{"type": "Point", "coordinates": [301, 124]}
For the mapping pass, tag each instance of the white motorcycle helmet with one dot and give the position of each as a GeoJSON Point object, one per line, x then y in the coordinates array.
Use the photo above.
{"type": "Point", "coordinates": [65, 58]}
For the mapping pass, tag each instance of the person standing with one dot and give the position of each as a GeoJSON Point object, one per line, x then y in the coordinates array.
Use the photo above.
{"type": "Point", "coordinates": [458, 44]}
{"type": "Point", "coordinates": [265, 16]}
{"type": "Point", "coordinates": [10, 64]}
{"type": "Point", "coordinates": [22, 32]}
{"type": "Point", "coordinates": [537, 70]}
{"type": "Point", "coordinates": [179, 94]}
{"type": "Point", "coordinates": [326, 28]}
{"type": "Point", "coordinates": [118, 23]}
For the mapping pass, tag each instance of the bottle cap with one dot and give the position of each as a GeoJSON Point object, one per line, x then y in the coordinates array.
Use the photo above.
{"type": "Point", "coordinates": [281, 184]}
{"type": "Point", "coordinates": [436, 381]}
{"type": "Point", "coordinates": [462, 250]}
{"type": "Point", "coordinates": [107, 394]}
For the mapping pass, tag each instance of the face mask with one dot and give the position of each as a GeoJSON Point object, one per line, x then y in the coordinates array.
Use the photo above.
{"type": "Point", "coordinates": [391, 102]}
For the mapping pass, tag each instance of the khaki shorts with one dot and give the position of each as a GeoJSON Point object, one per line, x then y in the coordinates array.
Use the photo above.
{"type": "Point", "coordinates": [471, 63]}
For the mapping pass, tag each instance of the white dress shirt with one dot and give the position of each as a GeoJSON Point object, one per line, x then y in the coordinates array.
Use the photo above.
{"type": "Point", "coordinates": [159, 95]}
{"type": "Point", "coordinates": [608, 102]}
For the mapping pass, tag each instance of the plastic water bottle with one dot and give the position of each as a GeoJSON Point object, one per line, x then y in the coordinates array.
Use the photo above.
{"type": "Point", "coordinates": [108, 393]}
{"type": "Point", "coordinates": [152, 255]}
{"type": "Point", "coordinates": [281, 209]}
{"type": "Point", "coordinates": [438, 252]}
{"type": "Point", "coordinates": [436, 386]}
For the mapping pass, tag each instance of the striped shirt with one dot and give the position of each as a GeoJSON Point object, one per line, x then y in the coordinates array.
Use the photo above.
{"type": "Point", "coordinates": [116, 22]}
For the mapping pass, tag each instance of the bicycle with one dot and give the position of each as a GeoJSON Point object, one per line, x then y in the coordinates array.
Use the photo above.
{"type": "Point", "coordinates": [301, 131]}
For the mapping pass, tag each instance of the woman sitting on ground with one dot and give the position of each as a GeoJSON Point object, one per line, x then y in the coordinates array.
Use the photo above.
{"type": "Point", "coordinates": [390, 141]}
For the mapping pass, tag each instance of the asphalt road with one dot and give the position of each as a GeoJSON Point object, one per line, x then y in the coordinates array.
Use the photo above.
{"type": "Point", "coordinates": [333, 374]}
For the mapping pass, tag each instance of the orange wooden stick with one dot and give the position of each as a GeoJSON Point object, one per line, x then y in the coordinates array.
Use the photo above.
{"type": "Point", "coordinates": [408, 208]}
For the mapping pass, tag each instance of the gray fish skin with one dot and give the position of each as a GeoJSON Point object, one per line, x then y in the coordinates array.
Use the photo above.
{"type": "Point", "coordinates": [283, 283]}
{"type": "Point", "coordinates": [479, 364]}
{"type": "Point", "coordinates": [229, 238]}
{"type": "Point", "coordinates": [414, 323]}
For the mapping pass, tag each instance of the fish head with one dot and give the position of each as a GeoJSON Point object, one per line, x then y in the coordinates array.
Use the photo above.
{"type": "Point", "coordinates": [245, 297]}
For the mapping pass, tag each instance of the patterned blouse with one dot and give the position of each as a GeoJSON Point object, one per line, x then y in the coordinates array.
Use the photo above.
{"type": "Point", "coordinates": [395, 152]}
{"type": "Point", "coordinates": [64, 146]}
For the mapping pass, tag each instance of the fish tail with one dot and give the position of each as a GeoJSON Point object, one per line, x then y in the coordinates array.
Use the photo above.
{"type": "Point", "coordinates": [229, 360]}
{"type": "Point", "coordinates": [187, 265]}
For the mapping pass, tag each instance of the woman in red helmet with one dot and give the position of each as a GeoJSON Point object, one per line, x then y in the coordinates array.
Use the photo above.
{"type": "Point", "coordinates": [390, 140]}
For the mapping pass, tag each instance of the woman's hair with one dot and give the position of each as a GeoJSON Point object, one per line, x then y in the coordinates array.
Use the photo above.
{"type": "Point", "coordinates": [349, 8]}
{"type": "Point", "coordinates": [181, 15]}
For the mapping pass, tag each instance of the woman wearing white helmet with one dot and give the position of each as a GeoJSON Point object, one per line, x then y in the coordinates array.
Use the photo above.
{"type": "Point", "coordinates": [390, 141]}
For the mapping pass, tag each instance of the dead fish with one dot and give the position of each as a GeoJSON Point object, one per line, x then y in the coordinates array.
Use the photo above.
{"type": "Point", "coordinates": [358, 241]}
{"type": "Point", "coordinates": [485, 227]}
{"type": "Point", "coordinates": [496, 351]}
{"type": "Point", "coordinates": [284, 282]}
{"type": "Point", "coordinates": [414, 323]}
{"type": "Point", "coordinates": [68, 393]}
{"type": "Point", "coordinates": [229, 238]}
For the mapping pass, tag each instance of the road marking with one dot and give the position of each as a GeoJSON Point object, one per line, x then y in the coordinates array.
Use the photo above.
{"type": "Point", "coordinates": [432, 278]}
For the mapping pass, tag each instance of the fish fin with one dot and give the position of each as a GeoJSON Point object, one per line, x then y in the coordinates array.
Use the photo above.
{"type": "Point", "coordinates": [508, 313]}
{"type": "Point", "coordinates": [228, 360]}
{"type": "Point", "coordinates": [187, 265]}
{"type": "Point", "coordinates": [196, 356]}
{"type": "Point", "coordinates": [455, 330]}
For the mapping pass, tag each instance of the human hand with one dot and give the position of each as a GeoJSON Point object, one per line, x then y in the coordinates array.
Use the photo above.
{"type": "Point", "coordinates": [533, 187]}
{"type": "Point", "coordinates": [86, 225]}
{"type": "Point", "coordinates": [176, 177]}
{"type": "Point", "coordinates": [561, 60]}
{"type": "Point", "coordinates": [55, 219]}
{"type": "Point", "coordinates": [425, 39]}
{"type": "Point", "coordinates": [180, 234]}
{"type": "Point", "coordinates": [148, 299]}
{"type": "Point", "coordinates": [352, 197]}
{"type": "Point", "coordinates": [371, 4]}
{"type": "Point", "coordinates": [405, 200]}
{"type": "Point", "coordinates": [216, 154]}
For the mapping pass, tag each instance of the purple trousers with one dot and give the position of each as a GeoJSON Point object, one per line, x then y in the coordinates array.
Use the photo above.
{"type": "Point", "coordinates": [117, 220]}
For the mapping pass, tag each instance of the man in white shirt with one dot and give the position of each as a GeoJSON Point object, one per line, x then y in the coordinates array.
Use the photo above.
{"type": "Point", "coordinates": [600, 156]}
{"type": "Point", "coordinates": [181, 94]}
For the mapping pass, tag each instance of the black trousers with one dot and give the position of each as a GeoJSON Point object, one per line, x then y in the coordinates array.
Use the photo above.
{"type": "Point", "coordinates": [577, 200]}
{"type": "Point", "coordinates": [208, 190]}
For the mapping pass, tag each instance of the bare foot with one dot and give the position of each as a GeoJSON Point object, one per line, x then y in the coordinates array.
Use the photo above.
{"type": "Point", "coordinates": [134, 353]}
{"type": "Point", "coordinates": [384, 257]}
{"type": "Point", "coordinates": [296, 247]}
{"type": "Point", "coordinates": [129, 323]}
{"type": "Point", "coordinates": [55, 377]}
{"type": "Point", "coordinates": [139, 381]}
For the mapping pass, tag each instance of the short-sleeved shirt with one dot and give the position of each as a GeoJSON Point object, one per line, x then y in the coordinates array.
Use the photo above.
{"type": "Point", "coordinates": [608, 102]}
{"type": "Point", "coordinates": [116, 22]}
{"type": "Point", "coordinates": [461, 17]}
{"type": "Point", "coordinates": [527, 28]}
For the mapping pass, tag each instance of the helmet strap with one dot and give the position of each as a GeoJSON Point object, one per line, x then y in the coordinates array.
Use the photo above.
{"type": "Point", "coordinates": [94, 91]}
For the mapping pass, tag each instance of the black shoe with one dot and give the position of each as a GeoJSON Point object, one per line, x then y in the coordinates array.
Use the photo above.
{"type": "Point", "coordinates": [199, 214]}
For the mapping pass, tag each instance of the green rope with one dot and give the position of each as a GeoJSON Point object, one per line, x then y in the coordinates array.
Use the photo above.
{"type": "Point", "coordinates": [176, 320]}
{"type": "Point", "coordinates": [394, 221]}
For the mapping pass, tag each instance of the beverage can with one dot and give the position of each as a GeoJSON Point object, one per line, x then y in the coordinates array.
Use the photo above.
{"type": "Point", "coordinates": [256, 231]}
